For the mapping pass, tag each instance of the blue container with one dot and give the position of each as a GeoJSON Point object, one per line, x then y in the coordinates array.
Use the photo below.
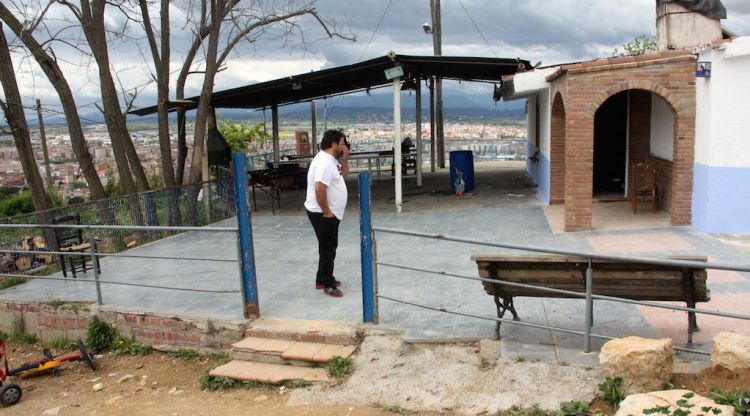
{"type": "Point", "coordinates": [462, 160]}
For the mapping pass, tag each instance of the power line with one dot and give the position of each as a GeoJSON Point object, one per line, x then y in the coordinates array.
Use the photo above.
{"type": "Point", "coordinates": [477, 27]}
{"type": "Point", "coordinates": [387, 7]}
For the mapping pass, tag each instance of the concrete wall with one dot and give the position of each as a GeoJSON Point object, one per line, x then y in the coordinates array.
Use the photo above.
{"type": "Point", "coordinates": [662, 128]}
{"type": "Point", "coordinates": [678, 27]}
{"type": "Point", "coordinates": [721, 188]}
{"type": "Point", "coordinates": [539, 169]}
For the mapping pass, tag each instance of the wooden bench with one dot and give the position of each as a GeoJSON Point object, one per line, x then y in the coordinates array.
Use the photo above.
{"type": "Point", "coordinates": [636, 281]}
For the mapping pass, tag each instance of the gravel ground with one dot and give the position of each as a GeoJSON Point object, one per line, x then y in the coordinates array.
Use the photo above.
{"type": "Point", "coordinates": [450, 378]}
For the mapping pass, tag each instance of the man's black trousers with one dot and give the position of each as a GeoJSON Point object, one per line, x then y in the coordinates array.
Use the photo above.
{"type": "Point", "coordinates": [327, 231]}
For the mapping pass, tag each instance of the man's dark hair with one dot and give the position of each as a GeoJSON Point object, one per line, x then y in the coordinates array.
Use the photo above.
{"type": "Point", "coordinates": [329, 138]}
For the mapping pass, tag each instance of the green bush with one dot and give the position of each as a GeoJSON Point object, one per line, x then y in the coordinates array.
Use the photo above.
{"type": "Point", "coordinates": [339, 366]}
{"type": "Point", "coordinates": [740, 400]}
{"type": "Point", "coordinates": [609, 391]}
{"type": "Point", "coordinates": [100, 335]}
{"type": "Point", "coordinates": [22, 203]}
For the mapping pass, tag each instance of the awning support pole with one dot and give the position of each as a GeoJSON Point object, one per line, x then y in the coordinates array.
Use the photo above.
{"type": "Point", "coordinates": [397, 139]}
{"type": "Point", "coordinates": [275, 127]}
{"type": "Point", "coordinates": [314, 118]}
{"type": "Point", "coordinates": [418, 117]}
{"type": "Point", "coordinates": [432, 124]}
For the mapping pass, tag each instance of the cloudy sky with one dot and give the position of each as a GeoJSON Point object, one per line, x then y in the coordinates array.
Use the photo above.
{"type": "Point", "coordinates": [551, 31]}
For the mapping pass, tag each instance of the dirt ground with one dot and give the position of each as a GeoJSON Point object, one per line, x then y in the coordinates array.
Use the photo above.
{"type": "Point", "coordinates": [389, 378]}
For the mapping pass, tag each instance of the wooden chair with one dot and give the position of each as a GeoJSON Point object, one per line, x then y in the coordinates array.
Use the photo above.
{"type": "Point", "coordinates": [643, 185]}
{"type": "Point", "coordinates": [70, 240]}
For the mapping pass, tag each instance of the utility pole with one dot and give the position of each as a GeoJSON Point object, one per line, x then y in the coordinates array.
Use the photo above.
{"type": "Point", "coordinates": [43, 136]}
{"type": "Point", "coordinates": [438, 51]}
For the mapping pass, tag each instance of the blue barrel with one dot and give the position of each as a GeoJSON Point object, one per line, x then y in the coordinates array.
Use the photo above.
{"type": "Point", "coordinates": [462, 160]}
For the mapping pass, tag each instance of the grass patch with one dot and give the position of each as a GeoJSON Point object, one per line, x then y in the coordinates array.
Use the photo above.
{"type": "Point", "coordinates": [126, 346]}
{"type": "Point", "coordinates": [62, 344]}
{"type": "Point", "coordinates": [339, 366]}
{"type": "Point", "coordinates": [575, 408]}
{"type": "Point", "coordinates": [186, 354]}
{"type": "Point", "coordinates": [11, 281]}
{"type": "Point", "coordinates": [221, 357]}
{"type": "Point", "coordinates": [395, 410]}
{"type": "Point", "coordinates": [534, 410]}
{"type": "Point", "coordinates": [296, 384]}
{"type": "Point", "coordinates": [55, 303]}
{"type": "Point", "coordinates": [520, 360]}
{"type": "Point", "coordinates": [740, 400]}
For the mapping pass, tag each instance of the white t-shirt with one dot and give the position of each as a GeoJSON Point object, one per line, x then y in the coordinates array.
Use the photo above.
{"type": "Point", "coordinates": [325, 169]}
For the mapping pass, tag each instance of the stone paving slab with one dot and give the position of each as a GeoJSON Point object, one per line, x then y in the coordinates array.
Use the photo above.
{"type": "Point", "coordinates": [329, 351]}
{"type": "Point", "coordinates": [268, 373]}
{"type": "Point", "coordinates": [302, 351]}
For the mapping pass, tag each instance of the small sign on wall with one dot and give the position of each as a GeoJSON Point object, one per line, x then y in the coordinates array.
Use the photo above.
{"type": "Point", "coordinates": [703, 70]}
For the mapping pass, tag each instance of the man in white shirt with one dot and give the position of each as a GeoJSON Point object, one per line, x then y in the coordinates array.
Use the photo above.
{"type": "Point", "coordinates": [325, 204]}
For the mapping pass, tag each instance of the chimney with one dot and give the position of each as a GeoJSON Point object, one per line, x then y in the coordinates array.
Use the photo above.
{"type": "Point", "coordinates": [687, 23]}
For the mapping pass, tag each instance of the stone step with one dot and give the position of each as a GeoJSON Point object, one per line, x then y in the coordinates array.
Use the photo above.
{"type": "Point", "coordinates": [328, 332]}
{"type": "Point", "coordinates": [268, 373]}
{"type": "Point", "coordinates": [280, 351]}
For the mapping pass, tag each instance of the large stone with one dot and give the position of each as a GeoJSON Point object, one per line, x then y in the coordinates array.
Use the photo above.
{"type": "Point", "coordinates": [635, 404]}
{"type": "Point", "coordinates": [731, 351]}
{"type": "Point", "coordinates": [644, 364]}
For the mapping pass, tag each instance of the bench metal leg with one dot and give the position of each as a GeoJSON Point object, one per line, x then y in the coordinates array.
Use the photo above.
{"type": "Point", "coordinates": [502, 307]}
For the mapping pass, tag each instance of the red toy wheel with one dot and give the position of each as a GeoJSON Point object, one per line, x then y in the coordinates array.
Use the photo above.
{"type": "Point", "coordinates": [85, 355]}
{"type": "Point", "coordinates": [10, 394]}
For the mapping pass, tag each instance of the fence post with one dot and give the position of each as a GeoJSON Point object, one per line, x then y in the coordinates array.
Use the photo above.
{"type": "Point", "coordinates": [589, 310]}
{"type": "Point", "coordinates": [365, 232]}
{"type": "Point", "coordinates": [95, 264]}
{"type": "Point", "coordinates": [245, 238]}
{"type": "Point", "coordinates": [149, 214]}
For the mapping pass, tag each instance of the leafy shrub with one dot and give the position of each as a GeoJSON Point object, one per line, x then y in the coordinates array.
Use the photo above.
{"type": "Point", "coordinates": [534, 410]}
{"type": "Point", "coordinates": [740, 400]}
{"type": "Point", "coordinates": [100, 335]}
{"type": "Point", "coordinates": [609, 391]}
{"type": "Point", "coordinates": [575, 408]}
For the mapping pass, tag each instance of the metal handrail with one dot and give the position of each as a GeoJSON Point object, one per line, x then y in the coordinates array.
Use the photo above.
{"type": "Point", "coordinates": [588, 295]}
{"type": "Point", "coordinates": [122, 227]}
{"type": "Point", "coordinates": [629, 259]}
{"type": "Point", "coordinates": [78, 253]}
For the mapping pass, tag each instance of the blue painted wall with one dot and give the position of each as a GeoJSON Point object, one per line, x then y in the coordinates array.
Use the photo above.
{"type": "Point", "coordinates": [539, 172]}
{"type": "Point", "coordinates": [721, 199]}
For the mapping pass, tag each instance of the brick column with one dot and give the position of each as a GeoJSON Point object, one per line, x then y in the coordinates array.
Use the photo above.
{"type": "Point", "coordinates": [682, 168]}
{"type": "Point", "coordinates": [579, 163]}
{"type": "Point", "coordinates": [557, 152]}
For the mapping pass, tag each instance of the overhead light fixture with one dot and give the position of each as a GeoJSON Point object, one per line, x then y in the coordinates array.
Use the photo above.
{"type": "Point", "coordinates": [409, 85]}
{"type": "Point", "coordinates": [497, 92]}
{"type": "Point", "coordinates": [296, 85]}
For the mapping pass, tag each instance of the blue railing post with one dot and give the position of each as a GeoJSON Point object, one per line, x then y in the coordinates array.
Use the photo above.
{"type": "Point", "coordinates": [365, 231]}
{"type": "Point", "coordinates": [245, 238]}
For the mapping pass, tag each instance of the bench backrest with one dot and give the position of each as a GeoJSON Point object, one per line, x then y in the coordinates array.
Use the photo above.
{"type": "Point", "coordinates": [638, 281]}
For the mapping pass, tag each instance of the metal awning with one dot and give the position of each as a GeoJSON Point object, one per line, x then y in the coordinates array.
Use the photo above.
{"type": "Point", "coordinates": [349, 78]}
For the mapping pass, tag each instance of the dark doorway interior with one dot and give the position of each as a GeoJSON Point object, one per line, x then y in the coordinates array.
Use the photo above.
{"type": "Point", "coordinates": [610, 143]}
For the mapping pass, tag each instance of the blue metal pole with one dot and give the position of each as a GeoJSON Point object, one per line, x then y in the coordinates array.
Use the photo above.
{"type": "Point", "coordinates": [365, 231]}
{"type": "Point", "coordinates": [245, 238]}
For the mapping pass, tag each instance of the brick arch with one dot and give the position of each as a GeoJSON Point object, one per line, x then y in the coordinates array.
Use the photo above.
{"type": "Point", "coordinates": [557, 151]}
{"type": "Point", "coordinates": [677, 107]}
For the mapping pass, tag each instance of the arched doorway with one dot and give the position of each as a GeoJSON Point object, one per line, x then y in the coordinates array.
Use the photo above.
{"type": "Point", "coordinates": [610, 147]}
{"type": "Point", "coordinates": [632, 126]}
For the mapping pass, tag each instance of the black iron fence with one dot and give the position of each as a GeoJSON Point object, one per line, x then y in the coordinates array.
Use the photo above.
{"type": "Point", "coordinates": [191, 205]}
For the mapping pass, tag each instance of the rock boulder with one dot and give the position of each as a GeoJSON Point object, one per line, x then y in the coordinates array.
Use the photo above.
{"type": "Point", "coordinates": [635, 404]}
{"type": "Point", "coordinates": [644, 364]}
{"type": "Point", "coordinates": [731, 351]}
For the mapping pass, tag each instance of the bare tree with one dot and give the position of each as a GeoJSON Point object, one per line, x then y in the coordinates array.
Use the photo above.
{"type": "Point", "coordinates": [225, 25]}
{"type": "Point", "coordinates": [161, 55]}
{"type": "Point", "coordinates": [13, 109]}
{"type": "Point", "coordinates": [91, 17]}
{"type": "Point", "coordinates": [48, 63]}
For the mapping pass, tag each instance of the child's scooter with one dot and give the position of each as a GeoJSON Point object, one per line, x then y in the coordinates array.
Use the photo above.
{"type": "Point", "coordinates": [52, 364]}
{"type": "Point", "coordinates": [10, 393]}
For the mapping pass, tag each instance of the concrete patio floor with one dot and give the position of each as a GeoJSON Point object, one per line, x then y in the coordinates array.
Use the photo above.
{"type": "Point", "coordinates": [503, 208]}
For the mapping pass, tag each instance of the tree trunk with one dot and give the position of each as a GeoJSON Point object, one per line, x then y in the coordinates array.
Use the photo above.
{"type": "Point", "coordinates": [17, 121]}
{"type": "Point", "coordinates": [92, 22]}
{"type": "Point", "coordinates": [58, 81]}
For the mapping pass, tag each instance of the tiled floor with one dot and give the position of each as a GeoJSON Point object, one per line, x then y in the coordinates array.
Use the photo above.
{"type": "Point", "coordinates": [501, 211]}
